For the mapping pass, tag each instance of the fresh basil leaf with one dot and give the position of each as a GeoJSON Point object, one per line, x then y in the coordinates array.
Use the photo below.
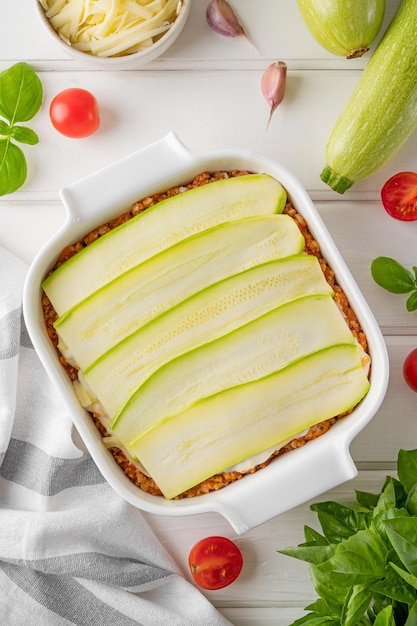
{"type": "Point", "coordinates": [311, 554]}
{"type": "Point", "coordinates": [333, 592]}
{"type": "Point", "coordinates": [24, 135]}
{"type": "Point", "coordinates": [21, 93]}
{"type": "Point", "coordinates": [412, 616]}
{"type": "Point", "coordinates": [395, 587]}
{"type": "Point", "coordinates": [391, 494]}
{"type": "Point", "coordinates": [407, 468]}
{"type": "Point", "coordinates": [337, 521]}
{"type": "Point", "coordinates": [399, 490]}
{"type": "Point", "coordinates": [392, 276]}
{"type": "Point", "coordinates": [358, 560]}
{"type": "Point", "coordinates": [366, 500]}
{"type": "Point", "coordinates": [402, 533]}
{"type": "Point", "coordinates": [385, 617]}
{"type": "Point", "coordinates": [319, 606]}
{"type": "Point", "coordinates": [378, 522]}
{"type": "Point", "coordinates": [313, 538]}
{"type": "Point", "coordinates": [357, 602]}
{"type": "Point", "coordinates": [13, 168]}
{"type": "Point", "coordinates": [411, 303]}
{"type": "Point", "coordinates": [405, 576]}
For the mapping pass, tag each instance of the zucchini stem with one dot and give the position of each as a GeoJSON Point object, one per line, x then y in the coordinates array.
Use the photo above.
{"type": "Point", "coordinates": [336, 181]}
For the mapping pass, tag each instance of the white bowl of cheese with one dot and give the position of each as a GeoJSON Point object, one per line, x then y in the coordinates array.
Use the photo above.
{"type": "Point", "coordinates": [314, 464]}
{"type": "Point", "coordinates": [113, 35]}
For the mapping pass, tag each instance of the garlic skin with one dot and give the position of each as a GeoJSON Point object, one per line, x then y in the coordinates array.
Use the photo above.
{"type": "Point", "coordinates": [273, 85]}
{"type": "Point", "coordinates": [223, 20]}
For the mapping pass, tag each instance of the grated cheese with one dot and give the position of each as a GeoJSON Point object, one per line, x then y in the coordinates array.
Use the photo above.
{"type": "Point", "coordinates": [108, 28]}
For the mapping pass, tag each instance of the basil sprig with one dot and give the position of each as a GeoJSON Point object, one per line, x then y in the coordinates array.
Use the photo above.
{"type": "Point", "coordinates": [21, 94]}
{"type": "Point", "coordinates": [393, 277]}
{"type": "Point", "coordinates": [364, 565]}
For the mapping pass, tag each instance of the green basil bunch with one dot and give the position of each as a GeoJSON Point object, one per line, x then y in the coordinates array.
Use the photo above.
{"type": "Point", "coordinates": [21, 95]}
{"type": "Point", "coordinates": [364, 563]}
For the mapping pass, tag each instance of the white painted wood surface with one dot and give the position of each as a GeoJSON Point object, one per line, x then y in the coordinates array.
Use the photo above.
{"type": "Point", "coordinates": [207, 89]}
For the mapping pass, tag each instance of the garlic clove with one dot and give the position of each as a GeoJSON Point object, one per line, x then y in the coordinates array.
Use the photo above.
{"type": "Point", "coordinates": [273, 85]}
{"type": "Point", "coordinates": [223, 20]}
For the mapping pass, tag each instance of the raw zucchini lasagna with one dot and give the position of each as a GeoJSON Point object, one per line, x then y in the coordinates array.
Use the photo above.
{"type": "Point", "coordinates": [205, 333]}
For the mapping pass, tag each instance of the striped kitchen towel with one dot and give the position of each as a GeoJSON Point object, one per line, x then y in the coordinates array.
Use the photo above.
{"type": "Point", "coordinates": [71, 550]}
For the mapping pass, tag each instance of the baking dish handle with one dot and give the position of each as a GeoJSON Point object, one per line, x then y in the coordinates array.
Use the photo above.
{"type": "Point", "coordinates": [119, 185]}
{"type": "Point", "coordinates": [245, 505]}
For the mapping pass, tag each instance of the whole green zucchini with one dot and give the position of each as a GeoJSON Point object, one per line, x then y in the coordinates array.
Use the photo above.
{"type": "Point", "coordinates": [343, 28]}
{"type": "Point", "coordinates": [381, 113]}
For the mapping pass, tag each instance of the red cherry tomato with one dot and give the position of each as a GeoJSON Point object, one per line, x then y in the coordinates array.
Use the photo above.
{"type": "Point", "coordinates": [215, 562]}
{"type": "Point", "coordinates": [399, 196]}
{"type": "Point", "coordinates": [410, 370]}
{"type": "Point", "coordinates": [74, 113]}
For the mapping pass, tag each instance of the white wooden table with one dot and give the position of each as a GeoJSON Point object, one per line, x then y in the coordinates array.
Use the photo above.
{"type": "Point", "coordinates": [207, 89]}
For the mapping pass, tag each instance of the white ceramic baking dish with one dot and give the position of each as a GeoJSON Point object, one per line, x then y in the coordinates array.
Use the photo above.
{"type": "Point", "coordinates": [289, 480]}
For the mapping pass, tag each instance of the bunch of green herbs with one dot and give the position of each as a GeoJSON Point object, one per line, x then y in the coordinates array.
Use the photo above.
{"type": "Point", "coordinates": [363, 564]}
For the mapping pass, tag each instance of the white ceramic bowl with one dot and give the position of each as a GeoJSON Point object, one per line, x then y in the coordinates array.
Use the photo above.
{"type": "Point", "coordinates": [290, 479]}
{"type": "Point", "coordinates": [129, 61]}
